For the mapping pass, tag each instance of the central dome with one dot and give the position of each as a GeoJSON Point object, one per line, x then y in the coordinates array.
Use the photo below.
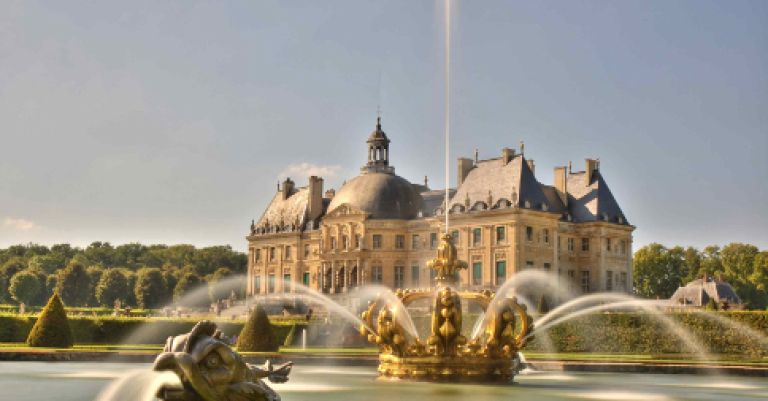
{"type": "Point", "coordinates": [382, 195]}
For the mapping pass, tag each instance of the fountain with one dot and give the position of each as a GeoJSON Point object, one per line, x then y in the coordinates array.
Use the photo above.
{"type": "Point", "coordinates": [210, 370]}
{"type": "Point", "coordinates": [447, 355]}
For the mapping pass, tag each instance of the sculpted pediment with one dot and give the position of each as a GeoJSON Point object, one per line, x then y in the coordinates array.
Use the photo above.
{"type": "Point", "coordinates": [345, 209]}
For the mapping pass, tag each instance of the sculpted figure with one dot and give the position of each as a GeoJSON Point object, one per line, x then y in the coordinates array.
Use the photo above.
{"type": "Point", "coordinates": [211, 371]}
{"type": "Point", "coordinates": [446, 323]}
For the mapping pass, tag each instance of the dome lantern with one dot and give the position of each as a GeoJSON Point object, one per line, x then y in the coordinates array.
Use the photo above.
{"type": "Point", "coordinates": [378, 151]}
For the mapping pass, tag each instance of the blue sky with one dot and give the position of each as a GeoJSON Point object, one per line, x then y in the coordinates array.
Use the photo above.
{"type": "Point", "coordinates": [172, 121]}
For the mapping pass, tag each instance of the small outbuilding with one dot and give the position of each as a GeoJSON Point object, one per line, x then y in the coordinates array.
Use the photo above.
{"type": "Point", "coordinates": [699, 292]}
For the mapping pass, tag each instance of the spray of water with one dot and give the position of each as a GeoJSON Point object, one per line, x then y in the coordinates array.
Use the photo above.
{"type": "Point", "coordinates": [139, 385]}
{"type": "Point", "coordinates": [651, 309]}
{"type": "Point", "coordinates": [402, 316]}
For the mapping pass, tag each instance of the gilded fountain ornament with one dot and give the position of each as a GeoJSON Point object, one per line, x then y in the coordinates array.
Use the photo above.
{"type": "Point", "coordinates": [492, 355]}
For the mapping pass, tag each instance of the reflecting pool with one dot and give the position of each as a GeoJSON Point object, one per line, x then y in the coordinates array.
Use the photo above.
{"type": "Point", "coordinates": [82, 381]}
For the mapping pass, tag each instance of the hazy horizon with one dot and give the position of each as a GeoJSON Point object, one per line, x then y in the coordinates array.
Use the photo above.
{"type": "Point", "coordinates": [172, 122]}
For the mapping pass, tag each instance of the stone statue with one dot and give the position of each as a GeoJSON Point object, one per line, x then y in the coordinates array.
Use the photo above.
{"type": "Point", "coordinates": [210, 370]}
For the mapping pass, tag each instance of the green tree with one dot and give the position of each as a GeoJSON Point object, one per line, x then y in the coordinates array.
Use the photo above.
{"type": "Point", "coordinates": [100, 253]}
{"type": "Point", "coordinates": [188, 283]}
{"type": "Point", "coordinates": [657, 271]}
{"type": "Point", "coordinates": [112, 286]}
{"type": "Point", "coordinates": [94, 276]}
{"type": "Point", "coordinates": [73, 284]}
{"type": "Point", "coordinates": [52, 327]}
{"type": "Point", "coordinates": [692, 264]}
{"type": "Point", "coordinates": [738, 264]}
{"type": "Point", "coordinates": [150, 288]}
{"type": "Point", "coordinates": [47, 263]}
{"type": "Point", "coordinates": [760, 271]}
{"type": "Point", "coordinates": [25, 286]}
{"type": "Point", "coordinates": [711, 264]}
{"type": "Point", "coordinates": [7, 270]}
{"type": "Point", "coordinates": [257, 333]}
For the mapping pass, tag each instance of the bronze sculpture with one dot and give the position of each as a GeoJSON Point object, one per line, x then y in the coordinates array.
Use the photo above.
{"type": "Point", "coordinates": [209, 370]}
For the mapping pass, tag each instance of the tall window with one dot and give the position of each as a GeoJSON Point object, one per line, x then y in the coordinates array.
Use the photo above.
{"type": "Point", "coordinates": [400, 241]}
{"type": "Point", "coordinates": [258, 255]}
{"type": "Point", "coordinates": [477, 273]}
{"type": "Point", "coordinates": [432, 275]}
{"type": "Point", "coordinates": [501, 271]}
{"type": "Point", "coordinates": [545, 234]}
{"type": "Point", "coordinates": [344, 242]}
{"type": "Point", "coordinates": [571, 245]}
{"type": "Point", "coordinates": [609, 280]}
{"type": "Point", "coordinates": [608, 244]}
{"type": "Point", "coordinates": [585, 244]}
{"type": "Point", "coordinates": [288, 253]}
{"type": "Point", "coordinates": [305, 279]}
{"type": "Point", "coordinates": [376, 241]}
{"type": "Point", "coordinates": [415, 241]}
{"type": "Point", "coordinates": [257, 284]}
{"type": "Point", "coordinates": [529, 233]}
{"type": "Point", "coordinates": [571, 280]}
{"type": "Point", "coordinates": [623, 280]}
{"type": "Point", "coordinates": [286, 282]}
{"type": "Point", "coordinates": [377, 274]}
{"type": "Point", "coordinates": [399, 276]}
{"type": "Point", "coordinates": [272, 254]}
{"type": "Point", "coordinates": [358, 241]}
{"type": "Point", "coordinates": [415, 274]}
{"type": "Point", "coordinates": [501, 233]}
{"type": "Point", "coordinates": [623, 247]}
{"type": "Point", "coordinates": [271, 283]}
{"type": "Point", "coordinates": [585, 281]}
{"type": "Point", "coordinates": [455, 237]}
{"type": "Point", "coordinates": [333, 242]}
{"type": "Point", "coordinates": [306, 251]}
{"type": "Point", "coordinates": [433, 240]}
{"type": "Point", "coordinates": [477, 237]}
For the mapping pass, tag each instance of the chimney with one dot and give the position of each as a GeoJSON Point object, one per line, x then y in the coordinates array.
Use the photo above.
{"type": "Point", "coordinates": [592, 165]}
{"type": "Point", "coordinates": [465, 166]}
{"type": "Point", "coordinates": [531, 165]}
{"type": "Point", "coordinates": [330, 193]}
{"type": "Point", "coordinates": [561, 184]}
{"type": "Point", "coordinates": [315, 207]}
{"type": "Point", "coordinates": [288, 186]}
{"type": "Point", "coordinates": [507, 155]}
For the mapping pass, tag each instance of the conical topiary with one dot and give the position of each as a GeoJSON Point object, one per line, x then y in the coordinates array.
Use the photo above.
{"type": "Point", "coordinates": [257, 334]}
{"type": "Point", "coordinates": [52, 327]}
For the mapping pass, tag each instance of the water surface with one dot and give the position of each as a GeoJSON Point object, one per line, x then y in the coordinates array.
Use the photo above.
{"type": "Point", "coordinates": [82, 381]}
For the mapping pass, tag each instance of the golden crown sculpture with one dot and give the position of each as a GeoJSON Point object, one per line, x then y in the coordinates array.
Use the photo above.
{"type": "Point", "coordinates": [446, 354]}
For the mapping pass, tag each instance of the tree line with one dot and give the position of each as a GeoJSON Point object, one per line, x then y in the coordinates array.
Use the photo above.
{"type": "Point", "coordinates": [658, 270]}
{"type": "Point", "coordinates": [147, 276]}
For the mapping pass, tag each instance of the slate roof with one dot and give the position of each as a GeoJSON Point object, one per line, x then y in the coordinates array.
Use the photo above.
{"type": "Point", "coordinates": [592, 201]}
{"type": "Point", "coordinates": [493, 180]}
{"type": "Point", "coordinates": [286, 213]}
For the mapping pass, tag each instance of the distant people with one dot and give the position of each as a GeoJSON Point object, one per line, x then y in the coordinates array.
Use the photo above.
{"type": "Point", "coordinates": [309, 314]}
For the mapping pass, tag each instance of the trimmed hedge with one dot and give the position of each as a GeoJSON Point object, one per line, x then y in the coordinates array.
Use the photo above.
{"type": "Point", "coordinates": [639, 333]}
{"type": "Point", "coordinates": [258, 333]}
{"type": "Point", "coordinates": [52, 326]}
{"type": "Point", "coordinates": [115, 330]}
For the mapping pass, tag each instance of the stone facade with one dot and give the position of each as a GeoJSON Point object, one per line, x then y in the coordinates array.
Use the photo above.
{"type": "Point", "coordinates": [382, 229]}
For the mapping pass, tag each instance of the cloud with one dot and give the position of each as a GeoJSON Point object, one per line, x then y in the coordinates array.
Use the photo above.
{"type": "Point", "coordinates": [304, 170]}
{"type": "Point", "coordinates": [20, 224]}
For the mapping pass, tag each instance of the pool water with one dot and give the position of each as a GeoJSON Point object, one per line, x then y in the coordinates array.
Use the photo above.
{"type": "Point", "coordinates": [82, 381]}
